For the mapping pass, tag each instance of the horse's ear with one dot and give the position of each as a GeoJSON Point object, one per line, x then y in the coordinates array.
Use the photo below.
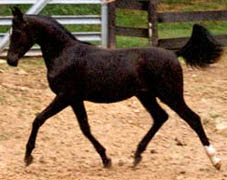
{"type": "Point", "coordinates": [17, 13]}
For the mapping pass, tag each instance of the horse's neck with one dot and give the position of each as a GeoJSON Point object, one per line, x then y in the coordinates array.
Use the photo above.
{"type": "Point", "coordinates": [52, 44]}
{"type": "Point", "coordinates": [52, 48]}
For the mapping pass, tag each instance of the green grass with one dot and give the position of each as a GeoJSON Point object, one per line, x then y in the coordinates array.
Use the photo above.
{"type": "Point", "coordinates": [193, 5]}
{"type": "Point", "coordinates": [131, 18]}
{"type": "Point", "coordinates": [56, 9]}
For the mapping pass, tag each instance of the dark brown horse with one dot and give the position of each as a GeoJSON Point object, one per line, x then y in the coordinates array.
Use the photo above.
{"type": "Point", "coordinates": [79, 72]}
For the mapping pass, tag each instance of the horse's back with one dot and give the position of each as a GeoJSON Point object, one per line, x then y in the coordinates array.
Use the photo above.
{"type": "Point", "coordinates": [123, 73]}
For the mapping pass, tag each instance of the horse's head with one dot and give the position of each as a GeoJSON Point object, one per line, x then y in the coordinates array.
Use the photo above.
{"type": "Point", "coordinates": [21, 38]}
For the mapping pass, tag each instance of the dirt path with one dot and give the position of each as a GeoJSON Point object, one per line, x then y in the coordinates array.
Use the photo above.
{"type": "Point", "coordinates": [62, 152]}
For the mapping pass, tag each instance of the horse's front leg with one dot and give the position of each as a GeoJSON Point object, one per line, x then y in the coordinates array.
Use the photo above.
{"type": "Point", "coordinates": [81, 115]}
{"type": "Point", "coordinates": [56, 106]}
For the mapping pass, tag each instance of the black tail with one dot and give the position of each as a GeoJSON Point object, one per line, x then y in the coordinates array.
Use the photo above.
{"type": "Point", "coordinates": [201, 49]}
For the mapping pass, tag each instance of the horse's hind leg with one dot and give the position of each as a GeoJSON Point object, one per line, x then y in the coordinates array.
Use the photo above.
{"type": "Point", "coordinates": [178, 104]}
{"type": "Point", "coordinates": [159, 117]}
{"type": "Point", "coordinates": [169, 89]}
{"type": "Point", "coordinates": [56, 106]}
{"type": "Point", "coordinates": [81, 115]}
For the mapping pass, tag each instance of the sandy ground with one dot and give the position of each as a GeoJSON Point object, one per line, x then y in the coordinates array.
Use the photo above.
{"type": "Point", "coordinates": [62, 152]}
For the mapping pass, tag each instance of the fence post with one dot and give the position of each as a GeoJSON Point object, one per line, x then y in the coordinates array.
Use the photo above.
{"type": "Point", "coordinates": [153, 23]}
{"type": "Point", "coordinates": [104, 25]}
{"type": "Point", "coordinates": [111, 25]}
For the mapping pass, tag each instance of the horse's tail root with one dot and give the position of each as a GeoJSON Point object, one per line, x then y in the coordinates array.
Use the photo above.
{"type": "Point", "coordinates": [201, 49]}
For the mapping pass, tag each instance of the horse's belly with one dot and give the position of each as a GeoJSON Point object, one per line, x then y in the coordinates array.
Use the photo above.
{"type": "Point", "coordinates": [110, 96]}
{"type": "Point", "coordinates": [113, 90]}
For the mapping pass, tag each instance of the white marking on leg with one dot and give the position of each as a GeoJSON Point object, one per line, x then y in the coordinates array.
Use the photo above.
{"type": "Point", "coordinates": [210, 150]}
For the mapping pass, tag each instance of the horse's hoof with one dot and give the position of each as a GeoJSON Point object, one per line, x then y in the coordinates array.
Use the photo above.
{"type": "Point", "coordinates": [108, 163]}
{"type": "Point", "coordinates": [28, 160]}
{"type": "Point", "coordinates": [217, 164]}
{"type": "Point", "coordinates": [137, 160]}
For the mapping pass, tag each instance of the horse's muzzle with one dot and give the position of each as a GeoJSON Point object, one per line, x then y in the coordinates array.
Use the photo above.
{"type": "Point", "coordinates": [12, 60]}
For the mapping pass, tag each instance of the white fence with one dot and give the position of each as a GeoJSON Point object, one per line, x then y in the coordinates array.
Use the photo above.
{"type": "Point", "coordinates": [38, 5]}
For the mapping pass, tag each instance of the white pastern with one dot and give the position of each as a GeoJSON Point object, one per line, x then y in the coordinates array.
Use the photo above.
{"type": "Point", "coordinates": [211, 152]}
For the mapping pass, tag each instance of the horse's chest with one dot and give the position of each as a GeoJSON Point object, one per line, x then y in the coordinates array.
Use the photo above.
{"type": "Point", "coordinates": [63, 83]}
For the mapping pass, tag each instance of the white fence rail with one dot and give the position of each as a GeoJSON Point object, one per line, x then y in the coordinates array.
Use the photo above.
{"type": "Point", "coordinates": [52, 1]}
{"type": "Point", "coordinates": [69, 20]}
{"type": "Point", "coordinates": [65, 20]}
